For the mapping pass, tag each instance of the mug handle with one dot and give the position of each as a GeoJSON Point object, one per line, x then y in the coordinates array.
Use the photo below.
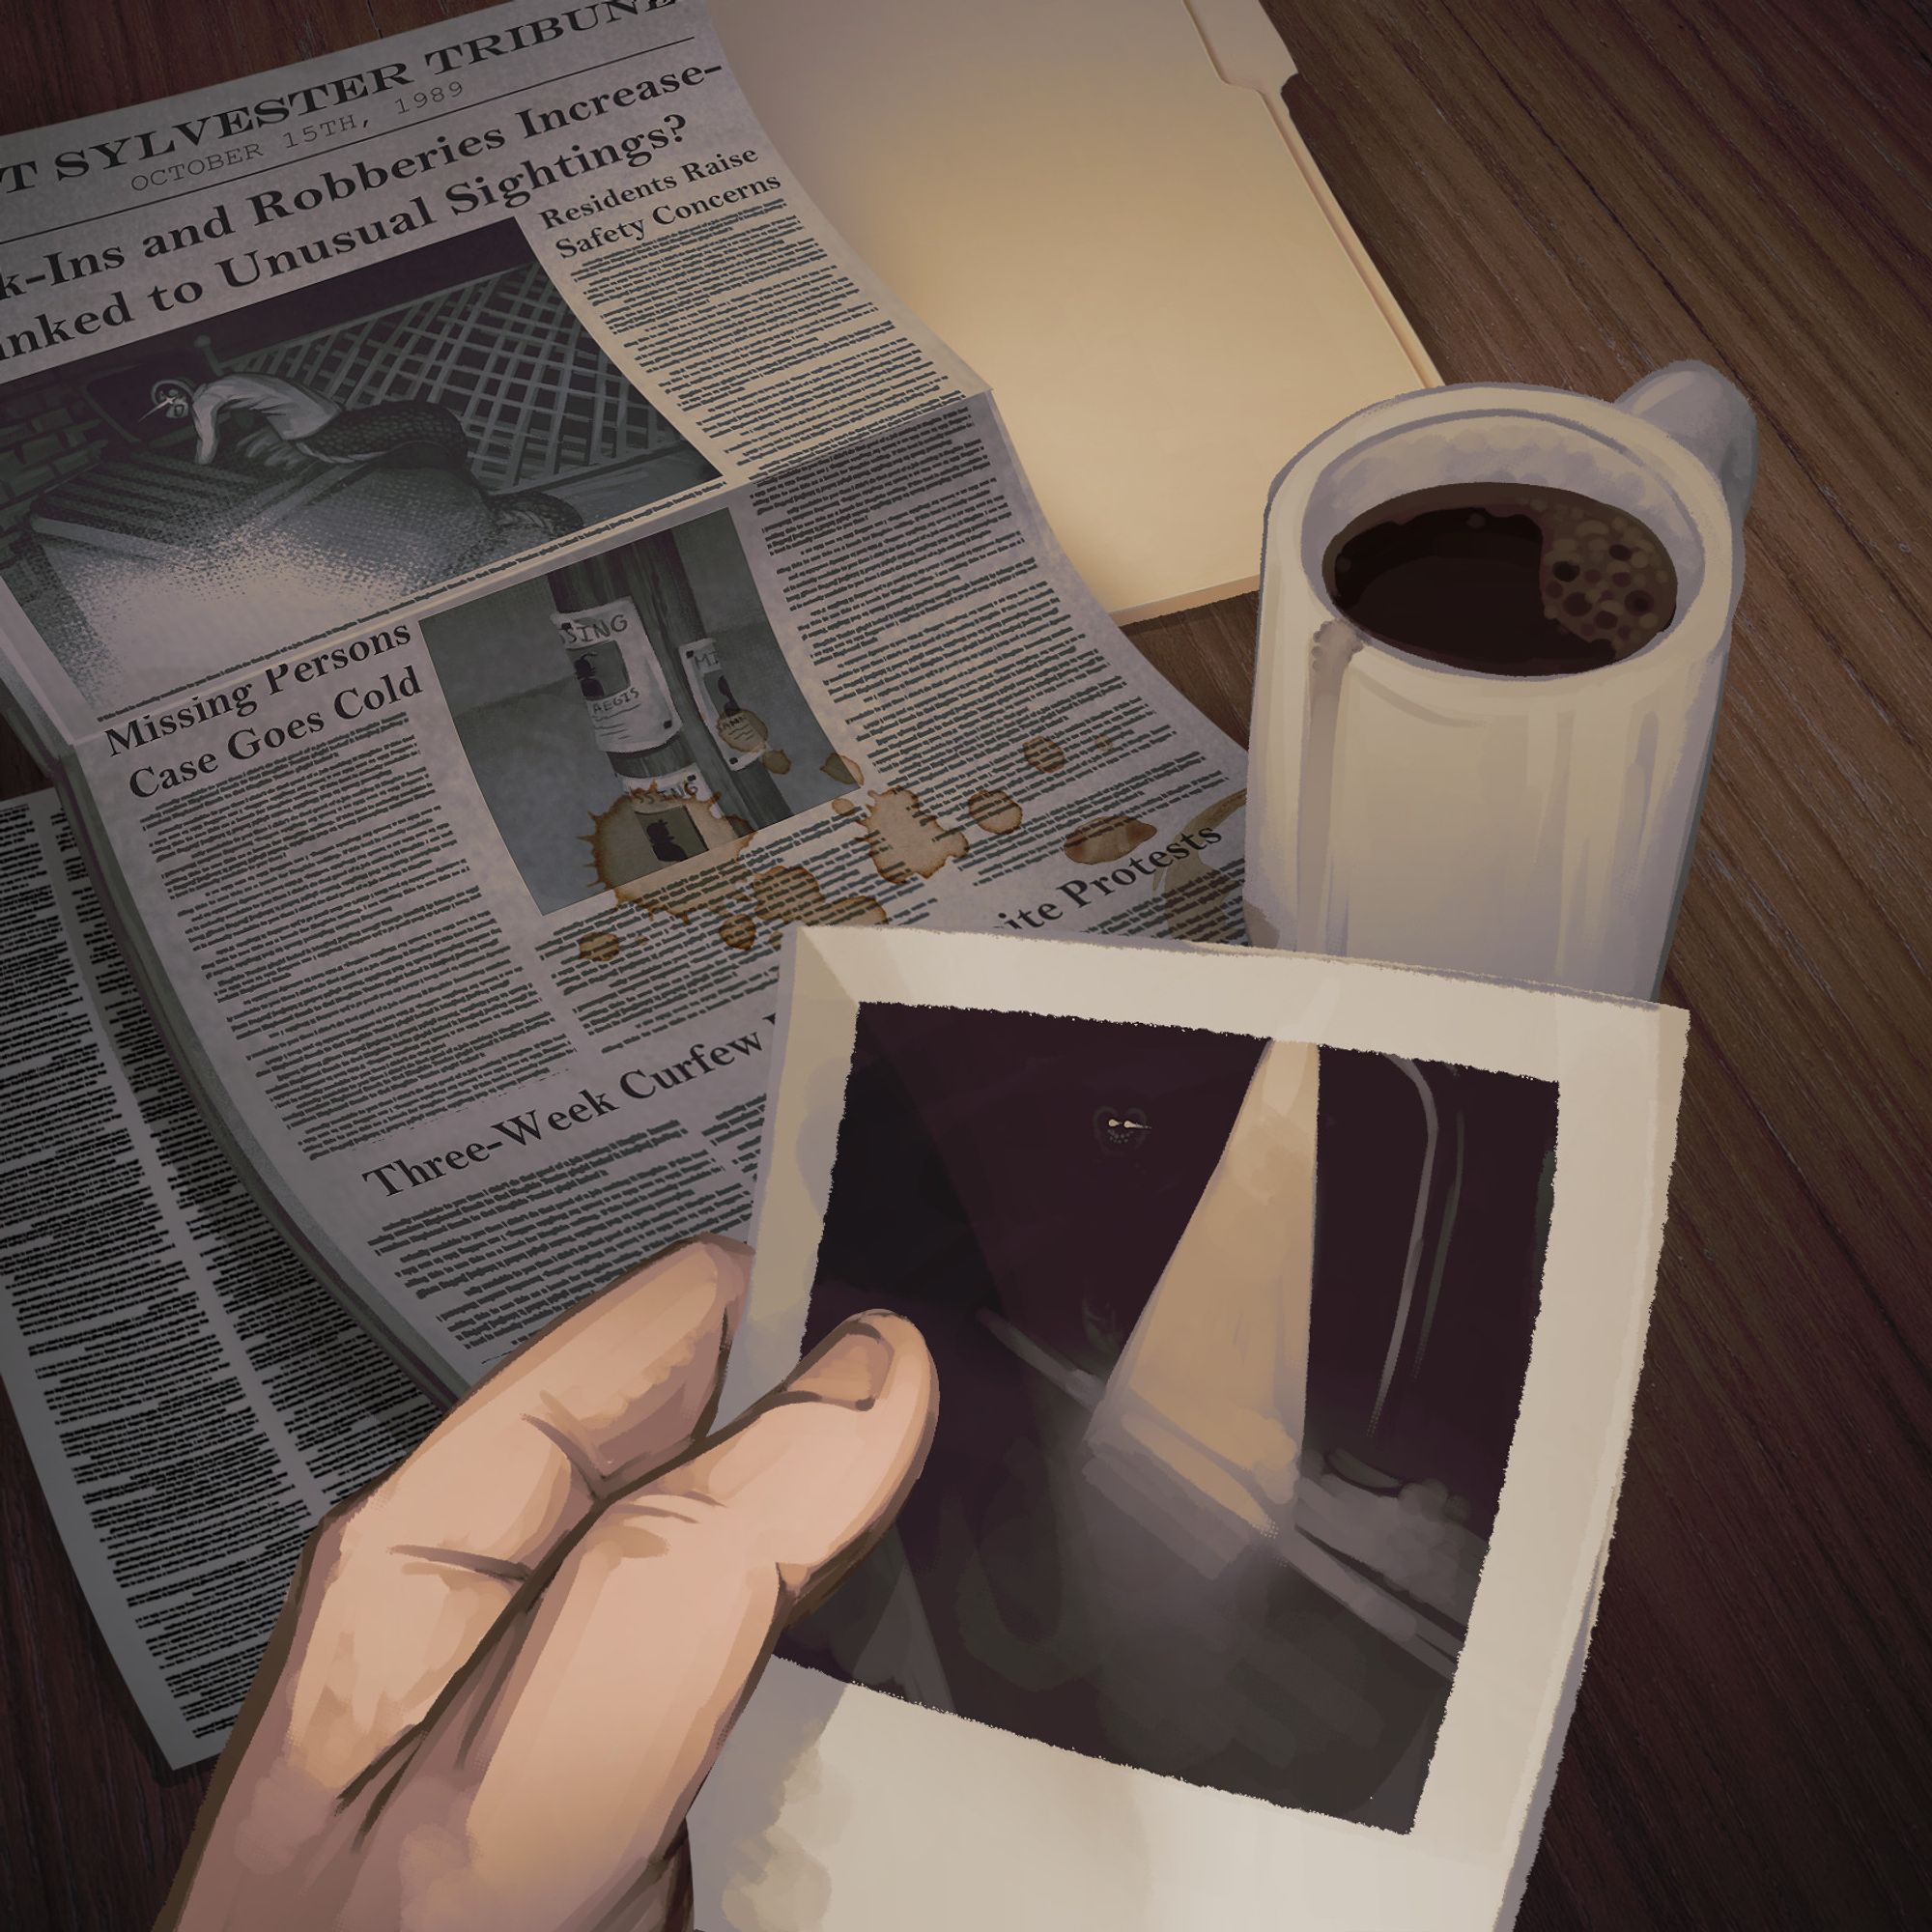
{"type": "Point", "coordinates": [1709, 416]}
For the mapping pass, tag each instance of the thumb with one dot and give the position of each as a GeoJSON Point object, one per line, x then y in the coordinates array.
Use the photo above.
{"type": "Point", "coordinates": [813, 1476]}
{"type": "Point", "coordinates": [652, 1632]}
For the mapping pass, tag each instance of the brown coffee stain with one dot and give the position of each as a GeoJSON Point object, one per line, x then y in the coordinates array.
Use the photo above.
{"type": "Point", "coordinates": [741, 828]}
{"type": "Point", "coordinates": [905, 839]}
{"type": "Point", "coordinates": [619, 844]}
{"type": "Point", "coordinates": [902, 839]}
{"type": "Point", "coordinates": [735, 896]}
{"type": "Point", "coordinates": [1200, 901]}
{"type": "Point", "coordinates": [599, 946]}
{"type": "Point", "coordinates": [843, 807]}
{"type": "Point", "coordinates": [742, 730]}
{"type": "Point", "coordinates": [703, 891]}
{"type": "Point", "coordinates": [616, 840]}
{"type": "Point", "coordinates": [1104, 745]}
{"type": "Point", "coordinates": [994, 812]}
{"type": "Point", "coordinates": [1043, 754]}
{"type": "Point", "coordinates": [775, 761]}
{"type": "Point", "coordinates": [841, 770]}
{"type": "Point", "coordinates": [790, 895]}
{"type": "Point", "coordinates": [1107, 839]}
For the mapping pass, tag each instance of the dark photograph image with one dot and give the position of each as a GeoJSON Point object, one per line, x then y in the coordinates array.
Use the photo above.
{"type": "Point", "coordinates": [631, 713]}
{"type": "Point", "coordinates": [1204, 1502]}
{"type": "Point", "coordinates": [287, 469]}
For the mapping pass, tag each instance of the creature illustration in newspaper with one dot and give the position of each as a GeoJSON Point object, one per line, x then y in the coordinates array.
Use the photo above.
{"type": "Point", "coordinates": [293, 467]}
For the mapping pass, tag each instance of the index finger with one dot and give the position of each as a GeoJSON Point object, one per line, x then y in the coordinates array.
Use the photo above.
{"type": "Point", "coordinates": [405, 1584]}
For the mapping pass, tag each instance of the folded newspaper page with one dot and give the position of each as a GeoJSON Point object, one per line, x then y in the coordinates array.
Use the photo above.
{"type": "Point", "coordinates": [192, 1397]}
{"type": "Point", "coordinates": [1288, 1313]}
{"type": "Point", "coordinates": [483, 561]}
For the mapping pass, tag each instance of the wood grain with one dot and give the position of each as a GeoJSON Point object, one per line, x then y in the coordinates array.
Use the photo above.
{"type": "Point", "coordinates": [1565, 194]}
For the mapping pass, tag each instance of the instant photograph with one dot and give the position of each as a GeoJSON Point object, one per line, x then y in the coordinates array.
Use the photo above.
{"type": "Point", "coordinates": [1286, 1314]}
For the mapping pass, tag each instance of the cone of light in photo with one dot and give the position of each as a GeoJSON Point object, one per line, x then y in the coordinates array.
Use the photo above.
{"type": "Point", "coordinates": [1200, 1424]}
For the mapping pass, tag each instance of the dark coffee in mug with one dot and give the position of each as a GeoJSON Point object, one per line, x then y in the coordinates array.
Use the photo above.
{"type": "Point", "coordinates": [1503, 578]}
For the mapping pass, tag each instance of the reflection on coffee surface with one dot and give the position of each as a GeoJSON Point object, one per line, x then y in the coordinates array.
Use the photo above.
{"type": "Point", "coordinates": [1505, 578]}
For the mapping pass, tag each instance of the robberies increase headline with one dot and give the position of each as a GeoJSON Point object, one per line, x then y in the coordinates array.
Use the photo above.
{"type": "Point", "coordinates": [682, 190]}
{"type": "Point", "coordinates": [346, 181]}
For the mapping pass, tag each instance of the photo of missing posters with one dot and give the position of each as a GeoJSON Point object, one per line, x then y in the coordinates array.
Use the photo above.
{"type": "Point", "coordinates": [1286, 1315]}
{"type": "Point", "coordinates": [1171, 1519]}
{"type": "Point", "coordinates": [287, 470]}
{"type": "Point", "coordinates": [631, 713]}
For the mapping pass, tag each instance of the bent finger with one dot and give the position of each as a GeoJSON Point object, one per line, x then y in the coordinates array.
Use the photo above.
{"type": "Point", "coordinates": [406, 1582]}
{"type": "Point", "coordinates": [657, 1623]}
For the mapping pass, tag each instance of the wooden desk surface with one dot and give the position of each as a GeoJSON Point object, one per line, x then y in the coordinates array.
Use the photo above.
{"type": "Point", "coordinates": [1566, 192]}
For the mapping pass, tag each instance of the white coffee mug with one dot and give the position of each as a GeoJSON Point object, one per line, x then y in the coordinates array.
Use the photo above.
{"type": "Point", "coordinates": [1531, 828]}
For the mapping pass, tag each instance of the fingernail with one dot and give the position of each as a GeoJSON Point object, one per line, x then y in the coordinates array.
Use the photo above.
{"type": "Point", "coordinates": [850, 1373]}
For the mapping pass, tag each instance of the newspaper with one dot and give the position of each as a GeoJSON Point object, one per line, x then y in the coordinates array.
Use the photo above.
{"type": "Point", "coordinates": [192, 1397]}
{"type": "Point", "coordinates": [483, 561]}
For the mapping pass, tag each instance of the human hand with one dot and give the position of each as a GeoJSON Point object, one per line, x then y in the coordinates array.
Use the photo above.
{"type": "Point", "coordinates": [290, 410]}
{"type": "Point", "coordinates": [502, 1673]}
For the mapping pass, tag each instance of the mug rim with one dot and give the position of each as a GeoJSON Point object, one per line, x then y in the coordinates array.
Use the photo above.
{"type": "Point", "coordinates": [1650, 447]}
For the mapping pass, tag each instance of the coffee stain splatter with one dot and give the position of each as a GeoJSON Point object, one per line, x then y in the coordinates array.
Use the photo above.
{"type": "Point", "coordinates": [841, 770]}
{"type": "Point", "coordinates": [741, 827]}
{"type": "Point", "coordinates": [599, 947]}
{"type": "Point", "coordinates": [1043, 754]}
{"type": "Point", "coordinates": [843, 807]}
{"type": "Point", "coordinates": [620, 848]}
{"type": "Point", "coordinates": [905, 839]}
{"type": "Point", "coordinates": [738, 898]}
{"type": "Point", "coordinates": [790, 895]}
{"type": "Point", "coordinates": [995, 811]}
{"type": "Point", "coordinates": [775, 761]}
{"type": "Point", "coordinates": [1104, 745]}
{"type": "Point", "coordinates": [743, 730]}
{"type": "Point", "coordinates": [1199, 899]}
{"type": "Point", "coordinates": [704, 892]}
{"type": "Point", "coordinates": [1107, 839]}
{"type": "Point", "coordinates": [901, 837]}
